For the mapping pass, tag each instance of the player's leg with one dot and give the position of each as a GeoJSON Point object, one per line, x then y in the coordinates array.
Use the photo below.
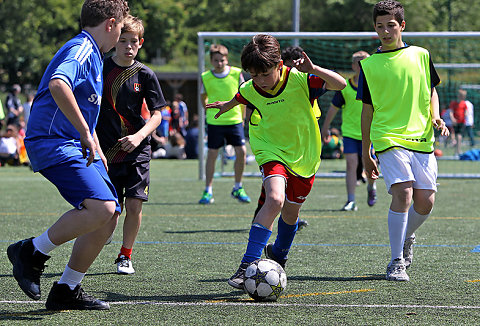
{"type": "Point", "coordinates": [261, 229]}
{"type": "Point", "coordinates": [297, 191]}
{"type": "Point", "coordinates": [398, 177]}
{"type": "Point", "coordinates": [135, 182]}
{"type": "Point", "coordinates": [236, 138]}
{"type": "Point", "coordinates": [215, 142]}
{"type": "Point", "coordinates": [351, 180]}
{"type": "Point", "coordinates": [424, 189]}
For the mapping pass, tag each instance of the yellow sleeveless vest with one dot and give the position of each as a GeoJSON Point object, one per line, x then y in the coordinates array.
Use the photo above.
{"type": "Point", "coordinates": [399, 83]}
{"type": "Point", "coordinates": [222, 89]}
{"type": "Point", "coordinates": [284, 127]}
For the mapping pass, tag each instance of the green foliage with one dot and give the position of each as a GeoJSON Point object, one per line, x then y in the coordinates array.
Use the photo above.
{"type": "Point", "coordinates": [33, 30]}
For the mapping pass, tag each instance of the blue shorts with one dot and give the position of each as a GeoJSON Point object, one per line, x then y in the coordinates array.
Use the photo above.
{"type": "Point", "coordinates": [352, 146]}
{"type": "Point", "coordinates": [76, 181]}
{"type": "Point", "coordinates": [218, 136]}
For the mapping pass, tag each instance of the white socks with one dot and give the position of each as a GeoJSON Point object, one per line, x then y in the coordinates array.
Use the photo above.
{"type": "Point", "coordinates": [397, 225]}
{"type": "Point", "coordinates": [414, 221]}
{"type": "Point", "coordinates": [71, 278]}
{"type": "Point", "coordinates": [43, 244]}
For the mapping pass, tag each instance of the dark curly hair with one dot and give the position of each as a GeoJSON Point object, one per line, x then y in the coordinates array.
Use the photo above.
{"type": "Point", "coordinates": [389, 7]}
{"type": "Point", "coordinates": [261, 54]}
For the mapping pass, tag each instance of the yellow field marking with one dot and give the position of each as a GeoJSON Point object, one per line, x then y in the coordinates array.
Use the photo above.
{"type": "Point", "coordinates": [472, 281]}
{"type": "Point", "coordinates": [295, 295]}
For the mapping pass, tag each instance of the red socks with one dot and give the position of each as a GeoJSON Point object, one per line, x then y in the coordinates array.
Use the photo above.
{"type": "Point", "coordinates": [125, 252]}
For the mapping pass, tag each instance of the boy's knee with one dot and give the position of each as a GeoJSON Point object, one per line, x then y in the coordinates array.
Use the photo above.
{"type": "Point", "coordinates": [275, 200]}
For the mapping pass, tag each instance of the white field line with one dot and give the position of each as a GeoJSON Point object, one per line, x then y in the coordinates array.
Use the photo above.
{"type": "Point", "coordinates": [271, 304]}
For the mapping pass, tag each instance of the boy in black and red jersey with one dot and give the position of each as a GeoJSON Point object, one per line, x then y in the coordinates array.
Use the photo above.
{"type": "Point", "coordinates": [123, 133]}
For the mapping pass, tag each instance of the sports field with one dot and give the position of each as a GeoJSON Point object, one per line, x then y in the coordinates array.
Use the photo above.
{"type": "Point", "coordinates": [186, 252]}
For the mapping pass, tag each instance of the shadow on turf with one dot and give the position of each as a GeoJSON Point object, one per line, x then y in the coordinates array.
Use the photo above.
{"type": "Point", "coordinates": [230, 296]}
{"type": "Point", "coordinates": [33, 315]}
{"type": "Point", "coordinates": [210, 231]}
{"type": "Point", "coordinates": [368, 277]}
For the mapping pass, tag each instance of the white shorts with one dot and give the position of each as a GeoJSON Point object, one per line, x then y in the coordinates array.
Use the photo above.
{"type": "Point", "coordinates": [401, 165]}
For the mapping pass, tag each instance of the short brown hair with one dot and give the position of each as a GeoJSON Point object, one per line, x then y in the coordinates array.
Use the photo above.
{"type": "Point", "coordinates": [94, 12]}
{"type": "Point", "coordinates": [134, 25]}
{"type": "Point", "coordinates": [218, 48]}
{"type": "Point", "coordinates": [261, 54]}
{"type": "Point", "coordinates": [389, 7]}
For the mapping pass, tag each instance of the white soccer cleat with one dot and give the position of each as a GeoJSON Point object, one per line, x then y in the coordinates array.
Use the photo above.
{"type": "Point", "coordinates": [124, 265]}
{"type": "Point", "coordinates": [408, 250]}
{"type": "Point", "coordinates": [396, 271]}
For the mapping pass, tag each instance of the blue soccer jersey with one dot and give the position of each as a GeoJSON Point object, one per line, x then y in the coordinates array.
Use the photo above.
{"type": "Point", "coordinates": [51, 138]}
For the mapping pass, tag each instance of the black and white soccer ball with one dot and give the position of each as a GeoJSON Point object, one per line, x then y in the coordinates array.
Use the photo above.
{"type": "Point", "coordinates": [265, 280]}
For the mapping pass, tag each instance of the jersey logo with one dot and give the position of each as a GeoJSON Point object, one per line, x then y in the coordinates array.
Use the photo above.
{"type": "Point", "coordinates": [99, 78]}
{"type": "Point", "coordinates": [137, 87]}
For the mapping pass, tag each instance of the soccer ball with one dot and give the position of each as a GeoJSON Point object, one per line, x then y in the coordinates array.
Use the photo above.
{"type": "Point", "coordinates": [265, 280]}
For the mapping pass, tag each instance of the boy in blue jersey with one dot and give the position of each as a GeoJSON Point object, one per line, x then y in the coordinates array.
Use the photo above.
{"type": "Point", "coordinates": [285, 139]}
{"type": "Point", "coordinates": [400, 110]}
{"type": "Point", "coordinates": [124, 135]}
{"type": "Point", "coordinates": [351, 132]}
{"type": "Point", "coordinates": [62, 145]}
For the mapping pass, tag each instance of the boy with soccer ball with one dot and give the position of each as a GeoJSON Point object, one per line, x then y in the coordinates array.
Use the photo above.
{"type": "Point", "coordinates": [400, 110]}
{"type": "Point", "coordinates": [63, 146]}
{"type": "Point", "coordinates": [284, 137]}
{"type": "Point", "coordinates": [124, 135]}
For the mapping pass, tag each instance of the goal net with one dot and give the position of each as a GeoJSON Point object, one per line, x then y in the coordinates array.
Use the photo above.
{"type": "Point", "coordinates": [456, 56]}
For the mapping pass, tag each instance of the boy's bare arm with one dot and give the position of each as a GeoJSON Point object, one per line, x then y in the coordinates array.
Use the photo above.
{"type": "Point", "coordinates": [224, 106]}
{"type": "Point", "coordinates": [332, 80]}
{"type": "Point", "coordinates": [369, 164]}
{"type": "Point", "coordinates": [328, 119]}
{"type": "Point", "coordinates": [130, 142]}
{"type": "Point", "coordinates": [65, 99]}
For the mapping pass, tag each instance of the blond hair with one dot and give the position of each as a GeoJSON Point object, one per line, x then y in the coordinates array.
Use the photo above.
{"type": "Point", "coordinates": [134, 25]}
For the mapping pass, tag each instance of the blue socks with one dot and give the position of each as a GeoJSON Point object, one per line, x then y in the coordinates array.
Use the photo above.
{"type": "Point", "coordinates": [257, 240]}
{"type": "Point", "coordinates": [283, 243]}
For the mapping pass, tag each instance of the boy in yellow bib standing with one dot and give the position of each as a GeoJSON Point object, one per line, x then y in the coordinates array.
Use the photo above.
{"type": "Point", "coordinates": [400, 110]}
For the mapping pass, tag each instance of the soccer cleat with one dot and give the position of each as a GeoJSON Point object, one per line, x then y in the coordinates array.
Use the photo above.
{"type": "Point", "coordinates": [350, 206]}
{"type": "Point", "coordinates": [408, 250]}
{"type": "Point", "coordinates": [207, 198]}
{"type": "Point", "coordinates": [61, 297]}
{"type": "Point", "coordinates": [372, 197]}
{"type": "Point", "coordinates": [241, 195]}
{"type": "Point", "coordinates": [396, 270]}
{"type": "Point", "coordinates": [124, 265]}
{"type": "Point", "coordinates": [238, 278]}
{"type": "Point", "coordinates": [302, 224]}
{"type": "Point", "coordinates": [28, 266]}
{"type": "Point", "coordinates": [268, 250]}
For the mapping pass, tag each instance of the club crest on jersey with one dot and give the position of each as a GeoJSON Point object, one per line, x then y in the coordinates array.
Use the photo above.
{"type": "Point", "coordinates": [137, 87]}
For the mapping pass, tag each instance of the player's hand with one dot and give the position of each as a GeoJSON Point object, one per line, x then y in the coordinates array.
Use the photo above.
{"type": "Point", "coordinates": [130, 142]}
{"type": "Point", "coordinates": [218, 105]}
{"type": "Point", "coordinates": [439, 124]}
{"type": "Point", "coordinates": [88, 143]}
{"type": "Point", "coordinates": [303, 64]}
{"type": "Point", "coordinates": [370, 166]}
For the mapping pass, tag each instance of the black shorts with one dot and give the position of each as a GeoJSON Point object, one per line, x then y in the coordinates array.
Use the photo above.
{"type": "Point", "coordinates": [459, 128]}
{"type": "Point", "coordinates": [130, 179]}
{"type": "Point", "coordinates": [218, 136]}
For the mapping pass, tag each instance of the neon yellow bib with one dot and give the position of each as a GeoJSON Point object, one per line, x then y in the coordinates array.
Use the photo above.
{"type": "Point", "coordinates": [284, 127]}
{"type": "Point", "coordinates": [399, 83]}
{"type": "Point", "coordinates": [351, 113]}
{"type": "Point", "coordinates": [222, 89]}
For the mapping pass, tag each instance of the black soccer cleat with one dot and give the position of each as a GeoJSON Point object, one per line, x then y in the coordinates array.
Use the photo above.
{"type": "Point", "coordinates": [269, 254]}
{"type": "Point", "coordinates": [28, 266]}
{"type": "Point", "coordinates": [61, 297]}
{"type": "Point", "coordinates": [237, 279]}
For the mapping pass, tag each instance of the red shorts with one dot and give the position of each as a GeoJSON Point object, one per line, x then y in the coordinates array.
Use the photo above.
{"type": "Point", "coordinates": [297, 188]}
